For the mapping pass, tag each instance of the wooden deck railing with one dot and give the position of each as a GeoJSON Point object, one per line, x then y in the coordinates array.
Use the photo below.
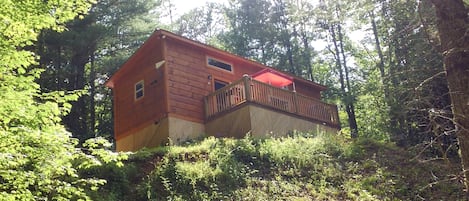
{"type": "Point", "coordinates": [248, 90]}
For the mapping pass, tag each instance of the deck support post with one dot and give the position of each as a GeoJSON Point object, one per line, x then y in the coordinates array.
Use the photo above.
{"type": "Point", "coordinates": [247, 87]}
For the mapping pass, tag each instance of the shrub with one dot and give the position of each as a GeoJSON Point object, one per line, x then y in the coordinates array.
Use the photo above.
{"type": "Point", "coordinates": [302, 166]}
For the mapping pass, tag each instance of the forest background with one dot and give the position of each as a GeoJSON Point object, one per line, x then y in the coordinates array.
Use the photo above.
{"type": "Point", "coordinates": [381, 60]}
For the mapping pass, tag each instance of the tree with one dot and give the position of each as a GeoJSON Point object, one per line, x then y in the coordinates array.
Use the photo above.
{"type": "Point", "coordinates": [201, 24]}
{"type": "Point", "coordinates": [38, 157]}
{"type": "Point", "coordinates": [453, 23]}
{"type": "Point", "coordinates": [277, 33]}
{"type": "Point", "coordinates": [80, 57]}
{"type": "Point", "coordinates": [403, 86]}
{"type": "Point", "coordinates": [250, 30]}
{"type": "Point", "coordinates": [332, 21]}
{"type": "Point", "coordinates": [302, 15]}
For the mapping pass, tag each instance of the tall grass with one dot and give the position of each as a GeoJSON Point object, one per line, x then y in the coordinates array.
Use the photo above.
{"type": "Point", "coordinates": [301, 166]}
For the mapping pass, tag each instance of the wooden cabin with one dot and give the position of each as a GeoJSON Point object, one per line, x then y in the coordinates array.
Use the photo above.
{"type": "Point", "coordinates": [173, 88]}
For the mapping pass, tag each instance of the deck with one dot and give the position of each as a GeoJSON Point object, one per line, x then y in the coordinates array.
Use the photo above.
{"type": "Point", "coordinates": [247, 90]}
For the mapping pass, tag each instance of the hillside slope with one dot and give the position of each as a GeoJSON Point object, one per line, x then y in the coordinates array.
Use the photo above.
{"type": "Point", "coordinates": [299, 167]}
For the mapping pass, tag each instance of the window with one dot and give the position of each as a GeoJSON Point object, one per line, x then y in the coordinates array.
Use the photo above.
{"type": "Point", "coordinates": [219, 64]}
{"type": "Point", "coordinates": [139, 90]}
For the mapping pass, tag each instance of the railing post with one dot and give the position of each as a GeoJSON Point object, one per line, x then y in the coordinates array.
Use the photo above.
{"type": "Point", "coordinates": [295, 102]}
{"type": "Point", "coordinates": [247, 88]}
{"type": "Point", "coordinates": [337, 119]}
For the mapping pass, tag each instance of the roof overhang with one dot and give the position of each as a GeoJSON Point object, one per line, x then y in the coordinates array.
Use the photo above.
{"type": "Point", "coordinates": [273, 77]}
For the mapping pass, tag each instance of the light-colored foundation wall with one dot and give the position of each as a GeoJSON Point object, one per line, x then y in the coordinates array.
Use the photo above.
{"type": "Point", "coordinates": [265, 122]}
{"type": "Point", "coordinates": [182, 130]}
{"type": "Point", "coordinates": [248, 118]}
{"type": "Point", "coordinates": [178, 130]}
{"type": "Point", "coordinates": [234, 124]}
{"type": "Point", "coordinates": [151, 136]}
{"type": "Point", "coordinates": [260, 122]}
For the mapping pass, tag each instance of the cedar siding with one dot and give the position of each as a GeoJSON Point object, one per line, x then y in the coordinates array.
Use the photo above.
{"type": "Point", "coordinates": [175, 94]}
{"type": "Point", "coordinates": [131, 114]}
{"type": "Point", "coordinates": [189, 76]}
{"type": "Point", "coordinates": [187, 79]}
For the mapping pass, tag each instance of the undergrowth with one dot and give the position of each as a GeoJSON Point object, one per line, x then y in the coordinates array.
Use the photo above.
{"type": "Point", "coordinates": [301, 166]}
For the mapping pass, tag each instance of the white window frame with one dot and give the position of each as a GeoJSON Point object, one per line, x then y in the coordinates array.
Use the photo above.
{"type": "Point", "coordinates": [140, 90]}
{"type": "Point", "coordinates": [218, 67]}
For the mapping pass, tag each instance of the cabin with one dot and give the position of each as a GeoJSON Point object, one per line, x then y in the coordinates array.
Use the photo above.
{"type": "Point", "coordinates": [173, 89]}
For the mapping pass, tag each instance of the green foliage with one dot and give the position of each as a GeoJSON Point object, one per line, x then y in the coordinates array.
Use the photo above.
{"type": "Point", "coordinates": [117, 186]}
{"type": "Point", "coordinates": [298, 151]}
{"type": "Point", "coordinates": [86, 53]}
{"type": "Point", "coordinates": [38, 158]}
{"type": "Point", "coordinates": [393, 76]}
{"type": "Point", "coordinates": [302, 166]}
{"type": "Point", "coordinates": [275, 33]}
{"type": "Point", "coordinates": [398, 100]}
{"type": "Point", "coordinates": [369, 182]}
{"type": "Point", "coordinates": [208, 172]}
{"type": "Point", "coordinates": [201, 24]}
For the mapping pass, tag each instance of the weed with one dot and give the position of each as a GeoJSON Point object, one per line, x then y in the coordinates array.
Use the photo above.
{"type": "Point", "coordinates": [301, 166]}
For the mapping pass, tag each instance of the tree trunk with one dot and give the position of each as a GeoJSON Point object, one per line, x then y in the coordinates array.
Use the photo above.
{"type": "Point", "coordinates": [306, 53]}
{"type": "Point", "coordinates": [343, 87]}
{"type": "Point", "coordinates": [453, 24]}
{"type": "Point", "coordinates": [307, 56]}
{"type": "Point", "coordinates": [291, 66]}
{"type": "Point", "coordinates": [92, 109]}
{"type": "Point", "coordinates": [380, 53]}
{"type": "Point", "coordinates": [349, 97]}
{"type": "Point", "coordinates": [288, 45]}
{"type": "Point", "coordinates": [76, 119]}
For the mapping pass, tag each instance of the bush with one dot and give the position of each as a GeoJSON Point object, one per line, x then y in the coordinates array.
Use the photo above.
{"type": "Point", "coordinates": [302, 166]}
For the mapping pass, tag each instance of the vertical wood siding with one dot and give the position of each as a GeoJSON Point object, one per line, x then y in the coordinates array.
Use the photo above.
{"type": "Point", "coordinates": [131, 113]}
{"type": "Point", "coordinates": [191, 79]}
{"type": "Point", "coordinates": [188, 81]}
{"type": "Point", "coordinates": [178, 87]}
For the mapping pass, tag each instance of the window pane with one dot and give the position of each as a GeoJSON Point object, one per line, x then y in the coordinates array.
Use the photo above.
{"type": "Point", "coordinates": [139, 94]}
{"type": "Point", "coordinates": [138, 86]}
{"type": "Point", "coordinates": [219, 64]}
{"type": "Point", "coordinates": [139, 89]}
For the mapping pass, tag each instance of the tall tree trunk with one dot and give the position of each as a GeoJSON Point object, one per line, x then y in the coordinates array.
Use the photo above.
{"type": "Point", "coordinates": [291, 66]}
{"type": "Point", "coordinates": [398, 116]}
{"type": "Point", "coordinates": [307, 56]}
{"type": "Point", "coordinates": [92, 90]}
{"type": "Point", "coordinates": [338, 60]}
{"type": "Point", "coordinates": [453, 24]}
{"type": "Point", "coordinates": [349, 97]}
{"type": "Point", "coordinates": [286, 36]}
{"type": "Point", "coordinates": [76, 119]}
{"type": "Point", "coordinates": [380, 53]}
{"type": "Point", "coordinates": [343, 86]}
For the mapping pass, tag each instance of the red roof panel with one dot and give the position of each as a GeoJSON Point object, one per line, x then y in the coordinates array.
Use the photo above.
{"type": "Point", "coordinates": [272, 77]}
